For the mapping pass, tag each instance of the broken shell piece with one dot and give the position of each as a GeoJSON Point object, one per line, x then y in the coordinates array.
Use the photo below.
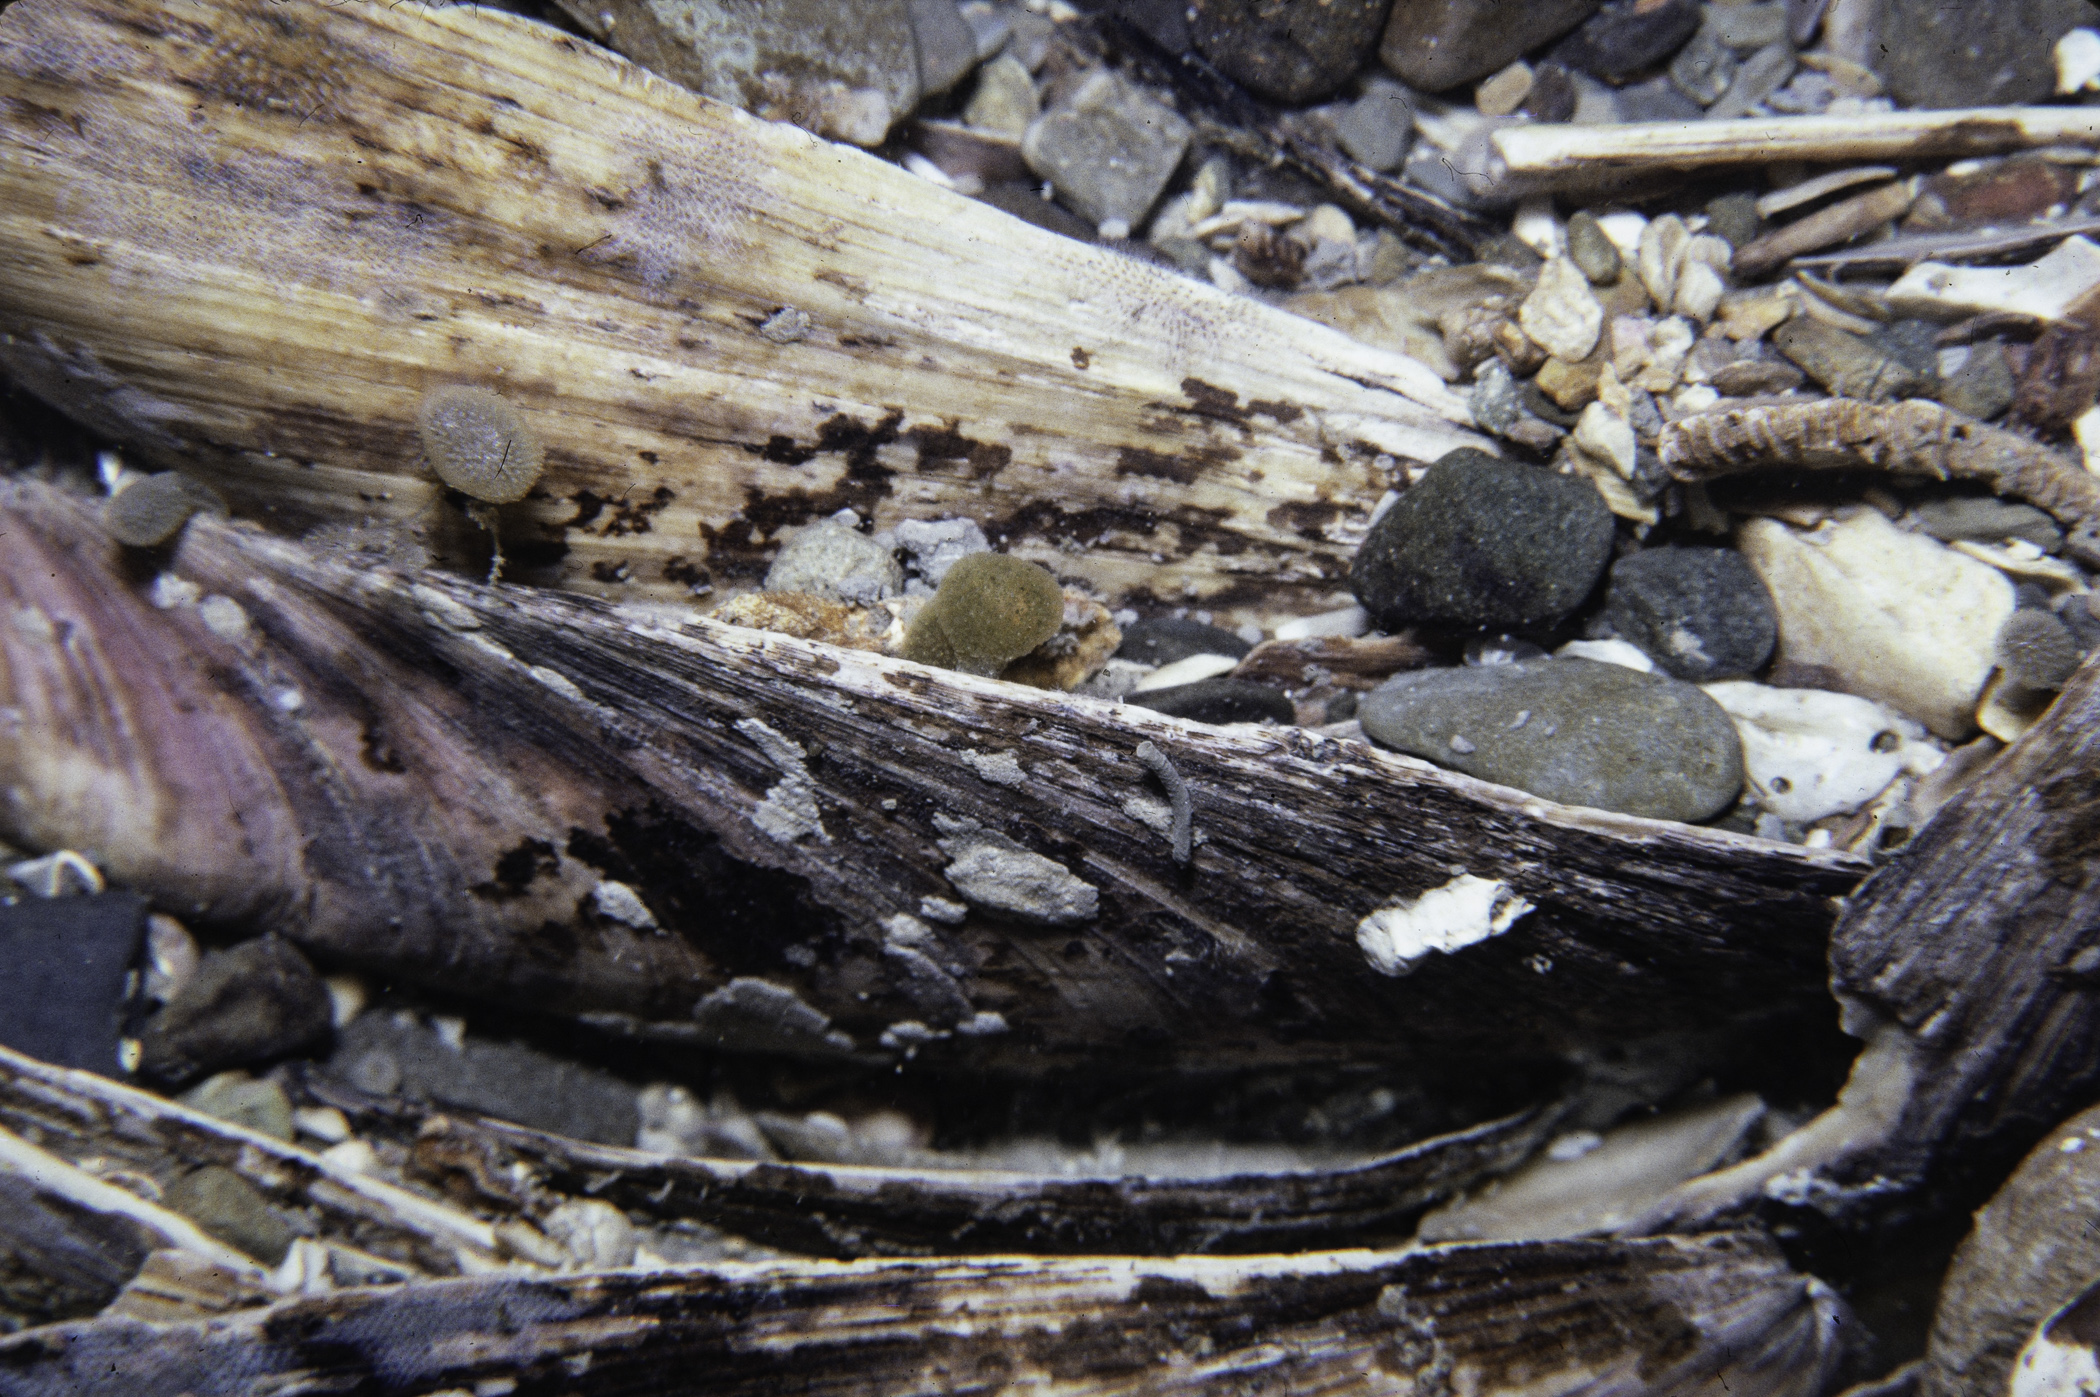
{"type": "Point", "coordinates": [2077, 56]}
{"type": "Point", "coordinates": [1398, 937]}
{"type": "Point", "coordinates": [1562, 314]}
{"type": "Point", "coordinates": [1810, 754]}
{"type": "Point", "coordinates": [2008, 708]}
{"type": "Point", "coordinates": [2063, 1357]}
{"type": "Point", "coordinates": [1846, 597]}
{"type": "Point", "coordinates": [2057, 287]}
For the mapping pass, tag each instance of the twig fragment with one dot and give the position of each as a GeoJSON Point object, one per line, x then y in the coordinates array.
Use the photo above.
{"type": "Point", "coordinates": [1177, 795]}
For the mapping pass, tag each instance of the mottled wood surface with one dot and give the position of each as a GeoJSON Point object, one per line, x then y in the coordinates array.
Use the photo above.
{"type": "Point", "coordinates": [462, 766]}
{"type": "Point", "coordinates": [1642, 1319]}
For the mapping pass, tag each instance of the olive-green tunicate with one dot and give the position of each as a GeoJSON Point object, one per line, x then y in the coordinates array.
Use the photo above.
{"type": "Point", "coordinates": [480, 444]}
{"type": "Point", "coordinates": [990, 609]}
{"type": "Point", "coordinates": [152, 509]}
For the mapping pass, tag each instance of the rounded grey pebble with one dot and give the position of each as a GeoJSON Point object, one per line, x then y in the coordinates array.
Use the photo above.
{"type": "Point", "coordinates": [1591, 250]}
{"type": "Point", "coordinates": [2037, 649]}
{"type": "Point", "coordinates": [1219, 701]}
{"type": "Point", "coordinates": [1983, 519]}
{"type": "Point", "coordinates": [1700, 613]}
{"type": "Point", "coordinates": [1734, 219]}
{"type": "Point", "coordinates": [832, 560]}
{"type": "Point", "coordinates": [1573, 731]}
{"type": "Point", "coordinates": [1480, 543]}
{"type": "Point", "coordinates": [1161, 640]}
{"type": "Point", "coordinates": [152, 510]}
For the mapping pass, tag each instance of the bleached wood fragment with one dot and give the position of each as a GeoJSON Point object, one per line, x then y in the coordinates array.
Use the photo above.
{"type": "Point", "coordinates": [1526, 158]}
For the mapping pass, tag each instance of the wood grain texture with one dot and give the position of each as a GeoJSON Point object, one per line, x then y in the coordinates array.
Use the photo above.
{"type": "Point", "coordinates": [1979, 941]}
{"type": "Point", "coordinates": [429, 778]}
{"type": "Point", "coordinates": [1641, 1319]}
{"type": "Point", "coordinates": [246, 237]}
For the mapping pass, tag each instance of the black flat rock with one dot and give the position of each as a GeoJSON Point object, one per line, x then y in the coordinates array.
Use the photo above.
{"type": "Point", "coordinates": [1161, 640]}
{"type": "Point", "coordinates": [63, 997]}
{"type": "Point", "coordinates": [1219, 701]}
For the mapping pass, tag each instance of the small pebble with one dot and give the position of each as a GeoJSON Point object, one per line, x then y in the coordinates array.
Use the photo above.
{"type": "Point", "coordinates": [834, 560]}
{"type": "Point", "coordinates": [1983, 386]}
{"type": "Point", "coordinates": [1849, 597]}
{"type": "Point", "coordinates": [2038, 650]}
{"type": "Point", "coordinates": [1482, 543]}
{"type": "Point", "coordinates": [1734, 219]}
{"type": "Point", "coordinates": [1562, 314]}
{"type": "Point", "coordinates": [233, 1210]}
{"type": "Point", "coordinates": [1378, 127]}
{"type": "Point", "coordinates": [1701, 613]}
{"type": "Point", "coordinates": [1570, 730]}
{"type": "Point", "coordinates": [237, 1097]}
{"type": "Point", "coordinates": [1760, 75]}
{"type": "Point", "coordinates": [1004, 100]}
{"type": "Point", "coordinates": [1703, 68]}
{"type": "Point", "coordinates": [1747, 27]}
{"type": "Point", "coordinates": [1626, 36]}
{"type": "Point", "coordinates": [1161, 640]}
{"type": "Point", "coordinates": [1749, 378]}
{"type": "Point", "coordinates": [1846, 364]}
{"type": "Point", "coordinates": [1983, 519]}
{"type": "Point", "coordinates": [1505, 91]}
{"type": "Point", "coordinates": [1108, 150]}
{"type": "Point", "coordinates": [252, 1003]}
{"type": "Point", "coordinates": [152, 509]}
{"type": "Point", "coordinates": [1219, 701]}
{"type": "Point", "coordinates": [1590, 250]}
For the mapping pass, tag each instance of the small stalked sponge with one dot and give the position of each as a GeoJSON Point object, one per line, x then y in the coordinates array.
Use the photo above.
{"type": "Point", "coordinates": [990, 609]}
{"type": "Point", "coordinates": [479, 443]}
{"type": "Point", "coordinates": [152, 509]}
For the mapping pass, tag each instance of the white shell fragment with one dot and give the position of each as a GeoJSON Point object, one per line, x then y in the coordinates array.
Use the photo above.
{"type": "Point", "coordinates": [1461, 913]}
{"type": "Point", "coordinates": [1810, 753]}
{"type": "Point", "coordinates": [1188, 670]}
{"type": "Point", "coordinates": [2059, 1361]}
{"type": "Point", "coordinates": [1847, 595]}
{"type": "Point", "coordinates": [2050, 289]}
{"type": "Point", "coordinates": [2077, 61]}
{"type": "Point", "coordinates": [620, 903]}
{"type": "Point", "coordinates": [1562, 314]}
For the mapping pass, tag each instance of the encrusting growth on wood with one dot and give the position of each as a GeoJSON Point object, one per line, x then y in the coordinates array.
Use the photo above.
{"type": "Point", "coordinates": [1177, 793]}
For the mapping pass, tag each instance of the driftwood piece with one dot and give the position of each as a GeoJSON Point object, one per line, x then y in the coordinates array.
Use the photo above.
{"type": "Point", "coordinates": [1560, 156]}
{"type": "Point", "coordinates": [84, 1119]}
{"type": "Point", "coordinates": [1917, 438]}
{"type": "Point", "coordinates": [858, 1211]}
{"type": "Point", "coordinates": [1644, 1319]}
{"type": "Point", "coordinates": [246, 237]}
{"type": "Point", "coordinates": [1969, 965]}
{"type": "Point", "coordinates": [431, 778]}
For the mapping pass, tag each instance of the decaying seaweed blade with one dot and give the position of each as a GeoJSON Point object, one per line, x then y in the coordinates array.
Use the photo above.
{"type": "Point", "coordinates": [1644, 1319]}
{"type": "Point", "coordinates": [248, 236]}
{"type": "Point", "coordinates": [1915, 438]}
{"type": "Point", "coordinates": [1969, 965]}
{"type": "Point", "coordinates": [843, 853]}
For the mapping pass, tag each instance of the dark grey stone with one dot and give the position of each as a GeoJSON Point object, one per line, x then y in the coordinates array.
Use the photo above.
{"type": "Point", "coordinates": [1983, 519]}
{"type": "Point", "coordinates": [1378, 128]}
{"type": "Point", "coordinates": [1703, 68]}
{"type": "Point", "coordinates": [1848, 365]}
{"type": "Point", "coordinates": [233, 1210]}
{"type": "Point", "coordinates": [63, 997]}
{"type": "Point", "coordinates": [1700, 613]}
{"type": "Point", "coordinates": [1758, 77]}
{"type": "Point", "coordinates": [1437, 44]}
{"type": "Point", "coordinates": [254, 1003]}
{"type": "Point", "coordinates": [1108, 148]}
{"type": "Point", "coordinates": [1552, 94]}
{"type": "Point", "coordinates": [1913, 344]}
{"type": "Point", "coordinates": [1219, 701]}
{"type": "Point", "coordinates": [1734, 218]}
{"type": "Point", "coordinates": [1591, 250]}
{"type": "Point", "coordinates": [1657, 100]}
{"type": "Point", "coordinates": [2077, 615]}
{"type": "Point", "coordinates": [947, 44]}
{"type": "Point", "coordinates": [1480, 543]}
{"type": "Point", "coordinates": [1959, 53]}
{"type": "Point", "coordinates": [1572, 731]}
{"type": "Point", "coordinates": [1625, 37]}
{"type": "Point", "coordinates": [1161, 640]}
{"type": "Point", "coordinates": [1983, 386]}
{"type": "Point", "coordinates": [2037, 649]}
{"type": "Point", "coordinates": [395, 1053]}
{"type": "Point", "coordinates": [1287, 50]}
